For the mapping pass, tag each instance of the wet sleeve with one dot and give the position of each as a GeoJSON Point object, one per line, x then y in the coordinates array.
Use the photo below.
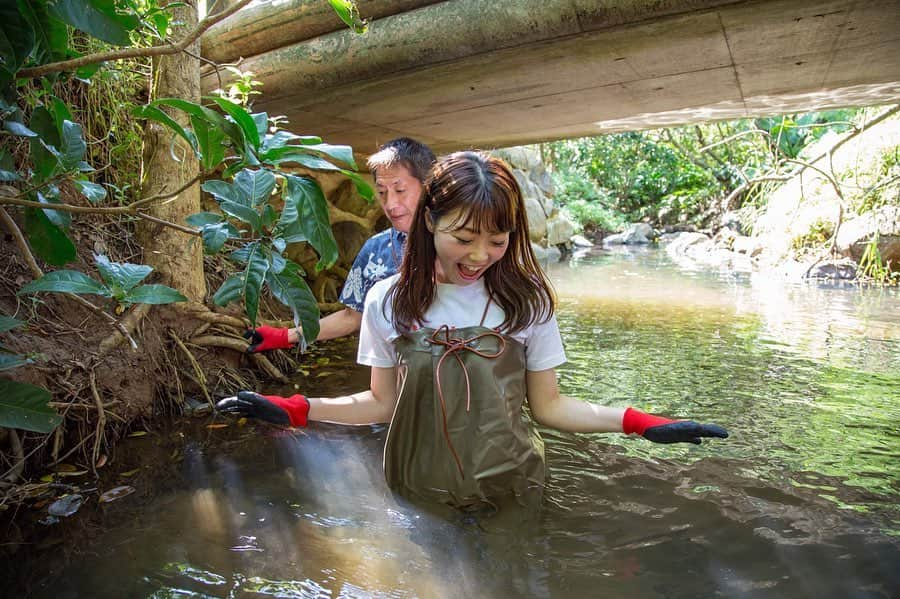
{"type": "Point", "coordinates": [544, 346]}
{"type": "Point", "coordinates": [376, 333]}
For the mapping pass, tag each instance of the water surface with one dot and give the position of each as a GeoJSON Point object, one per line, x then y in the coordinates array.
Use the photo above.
{"type": "Point", "coordinates": [801, 501]}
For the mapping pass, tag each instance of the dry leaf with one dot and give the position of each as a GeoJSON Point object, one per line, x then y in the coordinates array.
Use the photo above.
{"type": "Point", "coordinates": [138, 434]}
{"type": "Point", "coordinates": [116, 493]}
{"type": "Point", "coordinates": [130, 472]}
{"type": "Point", "coordinates": [220, 425]}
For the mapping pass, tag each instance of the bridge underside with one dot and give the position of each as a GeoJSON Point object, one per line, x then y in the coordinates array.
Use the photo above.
{"type": "Point", "coordinates": [469, 73]}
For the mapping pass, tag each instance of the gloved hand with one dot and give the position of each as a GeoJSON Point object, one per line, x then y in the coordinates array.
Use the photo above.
{"type": "Point", "coordinates": [663, 430]}
{"type": "Point", "coordinates": [265, 337]}
{"type": "Point", "coordinates": [271, 408]}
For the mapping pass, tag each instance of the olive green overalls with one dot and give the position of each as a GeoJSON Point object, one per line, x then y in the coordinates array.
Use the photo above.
{"type": "Point", "coordinates": [459, 434]}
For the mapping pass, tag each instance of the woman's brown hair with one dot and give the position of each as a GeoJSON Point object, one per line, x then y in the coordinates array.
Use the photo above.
{"type": "Point", "coordinates": [482, 191]}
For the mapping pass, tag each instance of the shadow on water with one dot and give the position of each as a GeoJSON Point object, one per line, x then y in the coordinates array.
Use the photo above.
{"type": "Point", "coordinates": [801, 501]}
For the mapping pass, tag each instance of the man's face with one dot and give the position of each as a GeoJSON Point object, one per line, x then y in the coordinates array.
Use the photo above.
{"type": "Point", "coordinates": [399, 193]}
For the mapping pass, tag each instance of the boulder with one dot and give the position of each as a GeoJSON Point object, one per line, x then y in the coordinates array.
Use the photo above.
{"type": "Point", "coordinates": [854, 235]}
{"type": "Point", "coordinates": [537, 220]}
{"type": "Point", "coordinates": [559, 231]}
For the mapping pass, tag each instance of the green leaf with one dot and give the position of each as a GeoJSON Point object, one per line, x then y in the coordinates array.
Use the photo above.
{"type": "Point", "coordinates": [223, 191]}
{"type": "Point", "coordinates": [51, 37]}
{"type": "Point", "coordinates": [241, 117]}
{"type": "Point", "coordinates": [8, 323]}
{"type": "Point", "coordinates": [155, 114]}
{"type": "Point", "coordinates": [72, 144]}
{"type": "Point", "coordinates": [276, 263]}
{"type": "Point", "coordinates": [349, 14]}
{"type": "Point", "coordinates": [154, 294]}
{"type": "Point", "coordinates": [305, 203]}
{"type": "Point", "coordinates": [85, 16]}
{"type": "Point", "coordinates": [24, 406]}
{"type": "Point", "coordinates": [86, 72]}
{"type": "Point", "coordinates": [18, 129]}
{"type": "Point", "coordinates": [92, 191]}
{"type": "Point", "coordinates": [211, 116]}
{"type": "Point", "coordinates": [50, 196]}
{"type": "Point", "coordinates": [121, 274]}
{"type": "Point", "coordinates": [289, 288]}
{"type": "Point", "coordinates": [10, 361]}
{"type": "Point", "coordinates": [230, 290]}
{"type": "Point", "coordinates": [209, 141]}
{"type": "Point", "coordinates": [66, 281]}
{"type": "Point", "coordinates": [201, 219]}
{"type": "Point", "coordinates": [342, 153]}
{"type": "Point", "coordinates": [7, 167]}
{"type": "Point", "coordinates": [362, 186]}
{"type": "Point", "coordinates": [262, 123]}
{"type": "Point", "coordinates": [215, 235]}
{"type": "Point", "coordinates": [44, 155]}
{"type": "Point", "coordinates": [257, 185]}
{"type": "Point", "coordinates": [242, 213]}
{"type": "Point", "coordinates": [254, 275]}
{"type": "Point", "coordinates": [17, 38]}
{"type": "Point", "coordinates": [280, 139]}
{"type": "Point", "coordinates": [47, 240]}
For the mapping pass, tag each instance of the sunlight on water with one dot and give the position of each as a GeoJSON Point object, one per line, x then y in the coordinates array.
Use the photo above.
{"type": "Point", "coordinates": [801, 500]}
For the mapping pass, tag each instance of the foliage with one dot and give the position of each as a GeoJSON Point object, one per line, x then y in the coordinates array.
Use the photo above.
{"type": "Point", "coordinates": [48, 156]}
{"type": "Point", "coordinates": [817, 235]}
{"type": "Point", "coordinates": [22, 405]}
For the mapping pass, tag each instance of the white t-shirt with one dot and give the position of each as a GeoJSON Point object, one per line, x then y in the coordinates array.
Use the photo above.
{"type": "Point", "coordinates": [457, 306]}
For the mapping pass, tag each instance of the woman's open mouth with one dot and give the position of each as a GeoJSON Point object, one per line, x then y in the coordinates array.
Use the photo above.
{"type": "Point", "coordinates": [469, 273]}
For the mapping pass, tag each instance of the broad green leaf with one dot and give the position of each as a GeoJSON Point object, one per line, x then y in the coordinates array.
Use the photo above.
{"type": "Point", "coordinates": [349, 14]}
{"type": "Point", "coordinates": [289, 288]}
{"type": "Point", "coordinates": [60, 112]}
{"type": "Point", "coordinates": [17, 38]}
{"type": "Point", "coordinates": [86, 72]}
{"type": "Point", "coordinates": [230, 290]}
{"type": "Point", "coordinates": [121, 274]}
{"type": "Point", "coordinates": [51, 37]}
{"type": "Point", "coordinates": [10, 361]}
{"type": "Point", "coordinates": [276, 263]}
{"type": "Point", "coordinates": [262, 123]}
{"type": "Point", "coordinates": [223, 191]}
{"type": "Point", "coordinates": [341, 153]}
{"type": "Point", "coordinates": [269, 217]}
{"type": "Point", "coordinates": [280, 139]}
{"type": "Point", "coordinates": [154, 294]}
{"type": "Point", "coordinates": [201, 219]}
{"type": "Point", "coordinates": [158, 115]}
{"type": "Point", "coordinates": [241, 117]}
{"type": "Point", "coordinates": [211, 116]}
{"type": "Point", "coordinates": [72, 145]}
{"type": "Point", "coordinates": [215, 235]}
{"type": "Point", "coordinates": [92, 191]}
{"type": "Point", "coordinates": [8, 323]}
{"type": "Point", "coordinates": [50, 196]}
{"type": "Point", "coordinates": [257, 185]}
{"type": "Point", "coordinates": [24, 406]}
{"type": "Point", "coordinates": [242, 213]}
{"type": "Point", "coordinates": [242, 254]}
{"type": "Point", "coordinates": [18, 129]}
{"type": "Point", "coordinates": [65, 281]}
{"type": "Point", "coordinates": [254, 275]}
{"type": "Point", "coordinates": [47, 240]}
{"type": "Point", "coordinates": [305, 203]}
{"type": "Point", "coordinates": [85, 16]}
{"type": "Point", "coordinates": [362, 186]}
{"type": "Point", "coordinates": [7, 167]}
{"type": "Point", "coordinates": [209, 141]}
{"type": "Point", "coordinates": [44, 158]}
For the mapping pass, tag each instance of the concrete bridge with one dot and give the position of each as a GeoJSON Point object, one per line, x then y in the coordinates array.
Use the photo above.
{"type": "Point", "coordinates": [479, 73]}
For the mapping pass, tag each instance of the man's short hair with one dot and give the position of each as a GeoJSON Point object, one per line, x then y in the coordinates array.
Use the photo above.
{"type": "Point", "coordinates": [414, 155]}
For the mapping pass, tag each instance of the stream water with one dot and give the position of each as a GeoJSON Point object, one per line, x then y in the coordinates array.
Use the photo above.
{"type": "Point", "coordinates": [801, 500]}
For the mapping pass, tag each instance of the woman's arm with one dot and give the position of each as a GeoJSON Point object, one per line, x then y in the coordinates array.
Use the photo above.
{"type": "Point", "coordinates": [565, 413]}
{"type": "Point", "coordinates": [367, 407]}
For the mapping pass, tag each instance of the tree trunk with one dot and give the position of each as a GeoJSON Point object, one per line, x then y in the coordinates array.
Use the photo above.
{"type": "Point", "coordinates": [175, 256]}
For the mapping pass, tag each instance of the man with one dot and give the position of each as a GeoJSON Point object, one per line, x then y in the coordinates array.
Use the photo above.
{"type": "Point", "coordinates": [400, 167]}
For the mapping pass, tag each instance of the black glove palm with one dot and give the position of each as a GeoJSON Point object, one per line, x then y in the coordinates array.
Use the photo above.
{"type": "Point", "coordinates": [684, 431]}
{"type": "Point", "coordinates": [253, 405]}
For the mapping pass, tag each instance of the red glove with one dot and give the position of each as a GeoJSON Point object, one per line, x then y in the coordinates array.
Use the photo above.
{"type": "Point", "coordinates": [265, 337]}
{"type": "Point", "coordinates": [291, 410]}
{"type": "Point", "coordinates": [664, 430]}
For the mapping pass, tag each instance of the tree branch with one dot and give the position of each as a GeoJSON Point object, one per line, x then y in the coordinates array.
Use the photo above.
{"type": "Point", "coordinates": [69, 65]}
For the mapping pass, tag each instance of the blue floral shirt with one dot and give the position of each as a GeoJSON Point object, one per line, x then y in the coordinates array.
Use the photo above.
{"type": "Point", "coordinates": [378, 259]}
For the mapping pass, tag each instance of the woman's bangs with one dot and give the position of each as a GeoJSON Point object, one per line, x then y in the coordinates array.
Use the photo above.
{"type": "Point", "coordinates": [489, 213]}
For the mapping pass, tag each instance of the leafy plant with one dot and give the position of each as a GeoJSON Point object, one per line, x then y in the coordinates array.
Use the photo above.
{"type": "Point", "coordinates": [121, 282]}
{"type": "Point", "coordinates": [22, 405]}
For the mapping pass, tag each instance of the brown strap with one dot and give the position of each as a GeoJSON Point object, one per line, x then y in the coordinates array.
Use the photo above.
{"type": "Point", "coordinates": [453, 347]}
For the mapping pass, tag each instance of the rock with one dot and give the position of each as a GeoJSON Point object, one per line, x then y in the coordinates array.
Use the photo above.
{"type": "Point", "coordinates": [635, 234]}
{"type": "Point", "coordinates": [682, 241]}
{"type": "Point", "coordinates": [521, 157]}
{"type": "Point", "coordinates": [732, 220]}
{"type": "Point", "coordinates": [746, 245]}
{"type": "Point", "coordinates": [581, 242]}
{"type": "Point", "coordinates": [559, 231]}
{"type": "Point", "coordinates": [537, 220]}
{"type": "Point", "coordinates": [553, 254]}
{"type": "Point", "coordinates": [854, 235]}
{"type": "Point", "coordinates": [835, 270]}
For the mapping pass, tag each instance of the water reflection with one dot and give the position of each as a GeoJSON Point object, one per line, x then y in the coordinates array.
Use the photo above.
{"type": "Point", "coordinates": [801, 501]}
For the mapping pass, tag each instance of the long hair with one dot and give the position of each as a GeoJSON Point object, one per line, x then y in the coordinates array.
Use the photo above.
{"type": "Point", "coordinates": [482, 192]}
